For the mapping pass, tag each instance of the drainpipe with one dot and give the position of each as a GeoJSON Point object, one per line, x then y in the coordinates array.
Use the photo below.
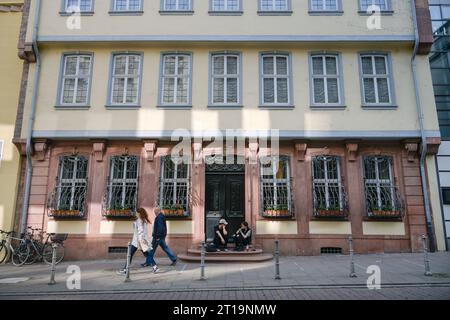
{"type": "Point", "coordinates": [29, 164]}
{"type": "Point", "coordinates": [424, 150]}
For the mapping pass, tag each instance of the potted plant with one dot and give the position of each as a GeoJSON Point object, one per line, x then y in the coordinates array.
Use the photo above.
{"type": "Point", "coordinates": [268, 211]}
{"type": "Point", "coordinates": [180, 210]}
{"type": "Point", "coordinates": [334, 212]}
{"type": "Point", "coordinates": [284, 211]}
{"type": "Point", "coordinates": [385, 212]}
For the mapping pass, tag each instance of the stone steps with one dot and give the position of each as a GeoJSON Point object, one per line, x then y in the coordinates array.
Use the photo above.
{"type": "Point", "coordinates": [253, 255]}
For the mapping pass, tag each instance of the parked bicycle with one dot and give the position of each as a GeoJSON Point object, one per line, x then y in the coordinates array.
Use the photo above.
{"type": "Point", "coordinates": [13, 248]}
{"type": "Point", "coordinates": [43, 250]}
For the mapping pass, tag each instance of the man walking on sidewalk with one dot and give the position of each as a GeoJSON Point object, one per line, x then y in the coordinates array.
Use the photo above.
{"type": "Point", "coordinates": [159, 239]}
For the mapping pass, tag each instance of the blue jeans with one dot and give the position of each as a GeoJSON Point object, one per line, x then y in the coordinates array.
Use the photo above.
{"type": "Point", "coordinates": [155, 243]}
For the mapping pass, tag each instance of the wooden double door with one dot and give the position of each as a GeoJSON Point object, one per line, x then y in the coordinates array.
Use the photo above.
{"type": "Point", "coordinates": [225, 199]}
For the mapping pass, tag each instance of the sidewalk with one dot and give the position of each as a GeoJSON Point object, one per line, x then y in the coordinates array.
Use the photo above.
{"type": "Point", "coordinates": [296, 272]}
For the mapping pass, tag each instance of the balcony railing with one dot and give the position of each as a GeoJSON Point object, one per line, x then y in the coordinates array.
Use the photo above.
{"type": "Point", "coordinates": [67, 202]}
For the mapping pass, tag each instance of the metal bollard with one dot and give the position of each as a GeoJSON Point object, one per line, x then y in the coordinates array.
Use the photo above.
{"type": "Point", "coordinates": [52, 275]}
{"type": "Point", "coordinates": [277, 260]}
{"type": "Point", "coordinates": [202, 261]}
{"type": "Point", "coordinates": [352, 261]}
{"type": "Point", "coordinates": [425, 256]}
{"type": "Point", "coordinates": [127, 268]}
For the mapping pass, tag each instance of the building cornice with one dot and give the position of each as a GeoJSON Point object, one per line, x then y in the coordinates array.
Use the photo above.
{"type": "Point", "coordinates": [223, 38]}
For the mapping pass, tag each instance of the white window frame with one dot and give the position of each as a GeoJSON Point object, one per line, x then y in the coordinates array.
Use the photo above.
{"type": "Point", "coordinates": [175, 76]}
{"type": "Point", "coordinates": [388, 6]}
{"type": "Point", "coordinates": [275, 76]}
{"type": "Point", "coordinates": [126, 76]}
{"type": "Point", "coordinates": [225, 76]}
{"type": "Point", "coordinates": [287, 8]}
{"type": "Point", "coordinates": [123, 181]}
{"type": "Point", "coordinates": [375, 76]}
{"type": "Point", "coordinates": [177, 7]}
{"type": "Point", "coordinates": [73, 182]}
{"type": "Point", "coordinates": [226, 8]}
{"type": "Point", "coordinates": [324, 6]}
{"type": "Point", "coordinates": [76, 77]}
{"type": "Point", "coordinates": [274, 181]}
{"type": "Point", "coordinates": [328, 182]}
{"type": "Point", "coordinates": [175, 181]}
{"type": "Point", "coordinates": [325, 77]}
{"type": "Point", "coordinates": [114, 6]}
{"type": "Point", "coordinates": [65, 7]}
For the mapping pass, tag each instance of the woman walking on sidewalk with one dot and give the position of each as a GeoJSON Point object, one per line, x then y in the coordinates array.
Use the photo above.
{"type": "Point", "coordinates": [140, 236]}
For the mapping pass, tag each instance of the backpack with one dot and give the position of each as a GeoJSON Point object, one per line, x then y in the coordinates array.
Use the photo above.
{"type": "Point", "coordinates": [211, 247]}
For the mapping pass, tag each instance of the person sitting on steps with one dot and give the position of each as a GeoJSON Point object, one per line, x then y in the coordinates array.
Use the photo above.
{"type": "Point", "coordinates": [243, 237]}
{"type": "Point", "coordinates": [221, 235]}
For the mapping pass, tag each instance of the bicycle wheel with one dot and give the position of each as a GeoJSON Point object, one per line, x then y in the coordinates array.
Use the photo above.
{"type": "Point", "coordinates": [34, 252]}
{"type": "Point", "coordinates": [20, 253]}
{"type": "Point", "coordinates": [3, 252]}
{"type": "Point", "coordinates": [47, 253]}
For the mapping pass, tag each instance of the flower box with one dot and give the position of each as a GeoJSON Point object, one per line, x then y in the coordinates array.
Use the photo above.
{"type": "Point", "coordinates": [386, 214]}
{"type": "Point", "coordinates": [325, 213]}
{"type": "Point", "coordinates": [122, 213]}
{"type": "Point", "coordinates": [66, 213]}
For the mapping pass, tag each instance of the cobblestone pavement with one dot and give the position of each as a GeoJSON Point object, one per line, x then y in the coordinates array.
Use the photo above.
{"type": "Point", "coordinates": [319, 277]}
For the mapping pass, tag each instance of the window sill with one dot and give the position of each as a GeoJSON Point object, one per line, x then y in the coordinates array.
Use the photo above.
{"type": "Point", "coordinates": [326, 13]}
{"type": "Point", "coordinates": [225, 106]}
{"type": "Point", "coordinates": [275, 13]}
{"type": "Point", "coordinates": [126, 13]}
{"type": "Point", "coordinates": [176, 12]}
{"type": "Point", "coordinates": [72, 107]}
{"type": "Point", "coordinates": [122, 107]}
{"type": "Point", "coordinates": [226, 13]}
{"type": "Point", "coordinates": [277, 107]}
{"type": "Point", "coordinates": [82, 13]}
{"type": "Point", "coordinates": [174, 107]}
{"type": "Point", "coordinates": [327, 107]}
{"type": "Point", "coordinates": [379, 107]}
{"type": "Point", "coordinates": [383, 13]}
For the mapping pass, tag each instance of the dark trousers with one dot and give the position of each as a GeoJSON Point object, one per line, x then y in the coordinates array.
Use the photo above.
{"type": "Point", "coordinates": [133, 250]}
{"type": "Point", "coordinates": [162, 243]}
{"type": "Point", "coordinates": [241, 241]}
{"type": "Point", "coordinates": [218, 242]}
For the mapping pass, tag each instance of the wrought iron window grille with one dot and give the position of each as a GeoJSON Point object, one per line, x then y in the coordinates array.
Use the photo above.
{"type": "Point", "coordinates": [382, 195]}
{"type": "Point", "coordinates": [174, 190]}
{"type": "Point", "coordinates": [121, 196]}
{"type": "Point", "coordinates": [329, 195]}
{"type": "Point", "coordinates": [275, 187]}
{"type": "Point", "coordinates": [68, 198]}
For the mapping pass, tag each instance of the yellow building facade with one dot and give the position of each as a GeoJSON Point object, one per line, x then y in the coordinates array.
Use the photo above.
{"type": "Point", "coordinates": [341, 87]}
{"type": "Point", "coordinates": [10, 81]}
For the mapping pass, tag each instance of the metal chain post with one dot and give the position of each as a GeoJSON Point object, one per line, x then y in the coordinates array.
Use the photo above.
{"type": "Point", "coordinates": [426, 259]}
{"type": "Point", "coordinates": [52, 275]}
{"type": "Point", "coordinates": [277, 260]}
{"type": "Point", "coordinates": [127, 268]}
{"type": "Point", "coordinates": [352, 261]}
{"type": "Point", "coordinates": [202, 261]}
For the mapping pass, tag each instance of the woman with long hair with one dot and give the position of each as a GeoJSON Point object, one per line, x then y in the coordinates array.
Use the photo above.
{"type": "Point", "coordinates": [140, 236]}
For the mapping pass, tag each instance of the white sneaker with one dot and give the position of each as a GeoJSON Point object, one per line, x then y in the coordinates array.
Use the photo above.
{"type": "Point", "coordinates": [155, 269]}
{"type": "Point", "coordinates": [122, 272]}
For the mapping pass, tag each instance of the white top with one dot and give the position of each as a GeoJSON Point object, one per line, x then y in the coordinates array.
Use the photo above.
{"type": "Point", "coordinates": [140, 232]}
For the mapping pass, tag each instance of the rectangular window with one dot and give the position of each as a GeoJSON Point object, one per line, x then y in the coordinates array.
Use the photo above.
{"type": "Point", "coordinates": [75, 79]}
{"type": "Point", "coordinates": [326, 79]}
{"type": "Point", "coordinates": [78, 6]}
{"type": "Point", "coordinates": [225, 5]}
{"type": "Point", "coordinates": [376, 79]}
{"type": "Point", "coordinates": [276, 187]}
{"type": "Point", "coordinates": [127, 5]}
{"type": "Point", "coordinates": [176, 5]}
{"type": "Point", "coordinates": [174, 187]}
{"type": "Point", "coordinates": [69, 197]}
{"type": "Point", "coordinates": [381, 194]}
{"type": "Point", "coordinates": [274, 5]}
{"type": "Point", "coordinates": [325, 5]}
{"type": "Point", "coordinates": [122, 189]}
{"type": "Point", "coordinates": [445, 196]}
{"type": "Point", "coordinates": [329, 194]}
{"type": "Point", "coordinates": [176, 80]}
{"type": "Point", "coordinates": [126, 79]}
{"type": "Point", "coordinates": [225, 79]}
{"type": "Point", "coordinates": [382, 5]}
{"type": "Point", "coordinates": [275, 79]}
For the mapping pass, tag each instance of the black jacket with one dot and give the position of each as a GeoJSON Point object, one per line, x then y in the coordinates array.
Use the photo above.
{"type": "Point", "coordinates": [160, 227]}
